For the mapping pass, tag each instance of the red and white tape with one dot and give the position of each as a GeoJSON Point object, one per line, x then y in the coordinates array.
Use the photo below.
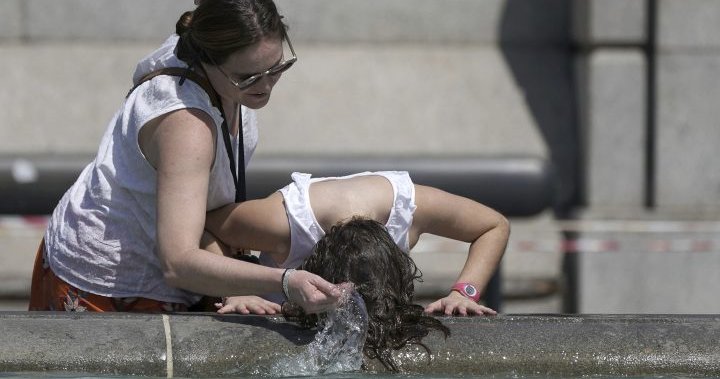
{"type": "Point", "coordinates": [604, 245]}
{"type": "Point", "coordinates": [22, 226]}
{"type": "Point", "coordinates": [594, 236]}
{"type": "Point", "coordinates": [591, 236]}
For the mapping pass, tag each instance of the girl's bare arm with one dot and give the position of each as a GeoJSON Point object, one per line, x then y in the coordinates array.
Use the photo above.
{"type": "Point", "coordinates": [447, 215]}
{"type": "Point", "coordinates": [259, 225]}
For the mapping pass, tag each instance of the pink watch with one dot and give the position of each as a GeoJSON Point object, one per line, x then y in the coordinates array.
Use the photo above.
{"type": "Point", "coordinates": [468, 290]}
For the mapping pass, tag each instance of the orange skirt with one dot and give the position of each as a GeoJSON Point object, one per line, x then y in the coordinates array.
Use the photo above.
{"type": "Point", "coordinates": [50, 293]}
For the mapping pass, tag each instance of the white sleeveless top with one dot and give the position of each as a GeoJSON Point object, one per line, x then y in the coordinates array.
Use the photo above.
{"type": "Point", "coordinates": [101, 238]}
{"type": "Point", "coordinates": [305, 230]}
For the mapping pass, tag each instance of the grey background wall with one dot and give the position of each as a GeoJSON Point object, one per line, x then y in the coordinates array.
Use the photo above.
{"type": "Point", "coordinates": [374, 77]}
{"type": "Point", "coordinates": [649, 69]}
{"type": "Point", "coordinates": [688, 133]}
{"type": "Point", "coordinates": [619, 94]}
{"type": "Point", "coordinates": [566, 80]}
{"type": "Point", "coordinates": [647, 73]}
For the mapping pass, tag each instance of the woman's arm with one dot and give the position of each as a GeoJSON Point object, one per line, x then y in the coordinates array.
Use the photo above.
{"type": "Point", "coordinates": [182, 152]}
{"type": "Point", "coordinates": [447, 215]}
{"type": "Point", "coordinates": [181, 148]}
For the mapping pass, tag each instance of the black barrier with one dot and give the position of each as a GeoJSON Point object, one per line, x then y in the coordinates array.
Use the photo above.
{"type": "Point", "coordinates": [514, 186]}
{"type": "Point", "coordinates": [32, 185]}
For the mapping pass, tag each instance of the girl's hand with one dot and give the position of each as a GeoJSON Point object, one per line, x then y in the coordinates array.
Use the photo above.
{"type": "Point", "coordinates": [457, 304]}
{"type": "Point", "coordinates": [247, 305]}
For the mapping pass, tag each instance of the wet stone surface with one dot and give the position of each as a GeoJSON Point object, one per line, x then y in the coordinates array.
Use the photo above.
{"type": "Point", "coordinates": [209, 345]}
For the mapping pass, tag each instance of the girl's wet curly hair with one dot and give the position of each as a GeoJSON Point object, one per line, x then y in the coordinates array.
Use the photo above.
{"type": "Point", "coordinates": [362, 251]}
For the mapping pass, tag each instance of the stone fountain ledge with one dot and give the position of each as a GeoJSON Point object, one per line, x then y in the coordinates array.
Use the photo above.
{"type": "Point", "coordinates": [209, 345]}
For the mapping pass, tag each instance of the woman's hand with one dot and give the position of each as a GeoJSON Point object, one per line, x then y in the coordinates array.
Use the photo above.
{"type": "Point", "coordinates": [311, 292]}
{"type": "Point", "coordinates": [247, 305]}
{"type": "Point", "coordinates": [457, 304]}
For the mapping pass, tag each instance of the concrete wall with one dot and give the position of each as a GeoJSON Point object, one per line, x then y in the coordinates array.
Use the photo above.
{"type": "Point", "coordinates": [611, 71]}
{"type": "Point", "coordinates": [649, 266]}
{"type": "Point", "coordinates": [68, 65]}
{"type": "Point", "coordinates": [688, 132]}
{"type": "Point", "coordinates": [648, 74]}
{"type": "Point", "coordinates": [404, 77]}
{"type": "Point", "coordinates": [373, 78]}
{"type": "Point", "coordinates": [619, 54]}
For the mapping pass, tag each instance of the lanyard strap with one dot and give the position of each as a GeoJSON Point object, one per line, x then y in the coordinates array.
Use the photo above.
{"type": "Point", "coordinates": [236, 166]}
{"type": "Point", "coordinates": [238, 169]}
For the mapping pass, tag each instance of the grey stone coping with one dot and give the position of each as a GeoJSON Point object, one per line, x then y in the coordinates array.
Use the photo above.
{"type": "Point", "coordinates": [204, 345]}
{"type": "Point", "coordinates": [318, 21]}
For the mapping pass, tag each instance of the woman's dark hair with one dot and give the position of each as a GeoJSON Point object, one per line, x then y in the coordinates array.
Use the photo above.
{"type": "Point", "coordinates": [362, 251]}
{"type": "Point", "coordinates": [218, 28]}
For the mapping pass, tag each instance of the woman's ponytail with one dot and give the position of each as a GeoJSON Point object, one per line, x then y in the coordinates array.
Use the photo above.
{"type": "Point", "coordinates": [215, 29]}
{"type": "Point", "coordinates": [184, 23]}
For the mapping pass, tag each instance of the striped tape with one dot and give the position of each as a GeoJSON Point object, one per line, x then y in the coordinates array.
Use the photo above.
{"type": "Point", "coordinates": [592, 235]}
{"type": "Point", "coordinates": [606, 245]}
{"type": "Point", "coordinates": [22, 226]}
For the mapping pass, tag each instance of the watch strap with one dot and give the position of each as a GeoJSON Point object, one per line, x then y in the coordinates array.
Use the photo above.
{"type": "Point", "coordinates": [468, 290]}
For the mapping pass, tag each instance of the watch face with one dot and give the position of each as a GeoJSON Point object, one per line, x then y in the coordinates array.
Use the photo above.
{"type": "Point", "coordinates": [470, 290]}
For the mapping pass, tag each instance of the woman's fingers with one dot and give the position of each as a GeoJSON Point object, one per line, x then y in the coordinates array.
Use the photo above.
{"type": "Point", "coordinates": [328, 289]}
{"type": "Point", "coordinates": [313, 293]}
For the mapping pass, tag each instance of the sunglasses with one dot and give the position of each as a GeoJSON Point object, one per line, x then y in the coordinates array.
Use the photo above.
{"type": "Point", "coordinates": [272, 71]}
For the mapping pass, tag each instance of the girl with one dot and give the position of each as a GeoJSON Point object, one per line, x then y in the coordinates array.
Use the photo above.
{"type": "Point", "coordinates": [287, 225]}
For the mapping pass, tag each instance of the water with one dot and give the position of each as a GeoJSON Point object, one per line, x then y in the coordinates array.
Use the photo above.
{"type": "Point", "coordinates": [335, 352]}
{"type": "Point", "coordinates": [355, 375]}
{"type": "Point", "coordinates": [338, 345]}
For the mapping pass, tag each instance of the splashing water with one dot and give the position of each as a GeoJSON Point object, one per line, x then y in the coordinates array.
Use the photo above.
{"type": "Point", "coordinates": [338, 344]}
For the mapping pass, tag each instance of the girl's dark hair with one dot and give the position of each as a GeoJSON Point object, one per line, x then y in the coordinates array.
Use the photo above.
{"type": "Point", "coordinates": [218, 28]}
{"type": "Point", "coordinates": [362, 251]}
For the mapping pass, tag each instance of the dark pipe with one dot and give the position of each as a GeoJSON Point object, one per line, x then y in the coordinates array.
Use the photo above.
{"type": "Point", "coordinates": [514, 186]}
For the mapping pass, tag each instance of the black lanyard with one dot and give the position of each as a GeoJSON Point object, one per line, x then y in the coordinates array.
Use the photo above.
{"type": "Point", "coordinates": [237, 167]}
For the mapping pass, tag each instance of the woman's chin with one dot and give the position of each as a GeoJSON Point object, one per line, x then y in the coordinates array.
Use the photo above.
{"type": "Point", "coordinates": [256, 101]}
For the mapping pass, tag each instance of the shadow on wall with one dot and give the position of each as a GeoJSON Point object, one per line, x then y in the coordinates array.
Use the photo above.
{"type": "Point", "coordinates": [535, 41]}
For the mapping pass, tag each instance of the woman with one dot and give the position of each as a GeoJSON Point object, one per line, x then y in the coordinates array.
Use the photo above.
{"type": "Point", "coordinates": [287, 225]}
{"type": "Point", "coordinates": [127, 235]}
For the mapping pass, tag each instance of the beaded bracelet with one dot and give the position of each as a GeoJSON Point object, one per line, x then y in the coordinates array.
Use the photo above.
{"type": "Point", "coordinates": [285, 279]}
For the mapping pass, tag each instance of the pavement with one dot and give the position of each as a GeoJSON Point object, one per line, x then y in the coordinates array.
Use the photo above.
{"type": "Point", "coordinates": [531, 278]}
